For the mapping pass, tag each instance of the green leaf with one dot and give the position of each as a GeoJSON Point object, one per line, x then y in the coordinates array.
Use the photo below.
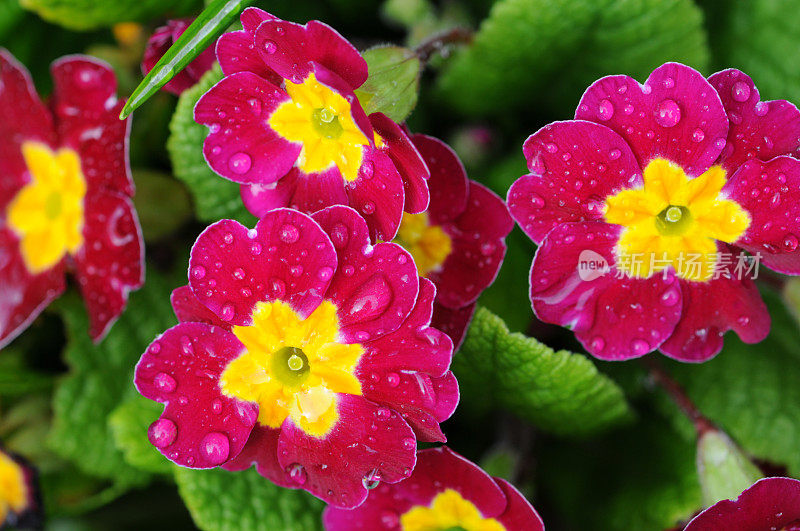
{"type": "Point", "coordinates": [544, 53]}
{"type": "Point", "coordinates": [393, 84]}
{"type": "Point", "coordinates": [88, 14]}
{"type": "Point", "coordinates": [201, 33]}
{"type": "Point", "coordinates": [218, 499]}
{"type": "Point", "coordinates": [560, 392]}
{"type": "Point", "coordinates": [640, 477]}
{"type": "Point", "coordinates": [214, 197]}
{"type": "Point", "coordinates": [724, 470]}
{"type": "Point", "coordinates": [759, 38]}
{"type": "Point", "coordinates": [751, 391]}
{"type": "Point", "coordinates": [101, 377]}
{"type": "Point", "coordinates": [129, 423]}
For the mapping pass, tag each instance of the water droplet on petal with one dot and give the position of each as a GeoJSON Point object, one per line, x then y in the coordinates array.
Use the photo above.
{"type": "Point", "coordinates": [605, 110]}
{"type": "Point", "coordinates": [289, 233]}
{"type": "Point", "coordinates": [740, 91]}
{"type": "Point", "coordinates": [639, 346]}
{"type": "Point", "coordinates": [615, 154]}
{"type": "Point", "coordinates": [227, 312]}
{"type": "Point", "coordinates": [383, 413]}
{"type": "Point", "coordinates": [790, 242]}
{"type": "Point", "coordinates": [668, 113]}
{"type": "Point", "coordinates": [368, 208]}
{"type": "Point", "coordinates": [198, 272]}
{"type": "Point", "coordinates": [164, 382]}
{"type": "Point", "coordinates": [670, 297]}
{"type": "Point", "coordinates": [368, 169]}
{"type": "Point", "coordinates": [155, 347]}
{"type": "Point", "coordinates": [393, 379]}
{"type": "Point", "coordinates": [240, 163]}
{"type": "Point", "coordinates": [297, 473]}
{"type": "Point", "coordinates": [598, 344]}
{"type": "Point", "coordinates": [270, 47]}
{"type": "Point", "coordinates": [238, 273]}
{"type": "Point", "coordinates": [409, 443]}
{"type": "Point", "coordinates": [162, 433]}
{"type": "Point", "coordinates": [698, 135]}
{"type": "Point", "coordinates": [551, 148]}
{"type": "Point", "coordinates": [324, 273]}
{"type": "Point", "coordinates": [216, 406]}
{"type": "Point", "coordinates": [761, 108]}
{"type": "Point", "coordinates": [372, 479]}
{"type": "Point", "coordinates": [215, 447]}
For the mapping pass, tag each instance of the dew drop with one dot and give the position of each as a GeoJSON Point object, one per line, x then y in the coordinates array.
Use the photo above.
{"type": "Point", "coordinates": [605, 110]}
{"type": "Point", "coordinates": [238, 273]}
{"type": "Point", "coordinates": [216, 406]}
{"type": "Point", "coordinates": [162, 433]}
{"type": "Point", "coordinates": [740, 91]}
{"type": "Point", "coordinates": [324, 273]}
{"type": "Point", "coordinates": [297, 473]}
{"type": "Point", "coordinates": [670, 297]}
{"type": "Point", "coordinates": [164, 382]}
{"type": "Point", "coordinates": [698, 135]}
{"type": "Point", "coordinates": [668, 113]}
{"type": "Point", "coordinates": [289, 233]}
{"type": "Point", "coordinates": [537, 201]}
{"type": "Point", "coordinates": [372, 479]}
{"type": "Point", "coordinates": [598, 344]}
{"type": "Point", "coordinates": [628, 109]}
{"type": "Point", "coordinates": [227, 312]}
{"type": "Point", "coordinates": [383, 413]}
{"type": "Point", "coordinates": [409, 443]}
{"type": "Point", "coordinates": [615, 154]}
{"type": "Point", "coordinates": [761, 108]}
{"type": "Point", "coordinates": [155, 347]}
{"type": "Point", "coordinates": [240, 163]}
{"type": "Point", "coordinates": [790, 242]}
{"type": "Point", "coordinates": [551, 148]}
{"type": "Point", "coordinates": [198, 272]}
{"type": "Point", "coordinates": [215, 447]}
{"type": "Point", "coordinates": [368, 208]}
{"type": "Point", "coordinates": [639, 346]}
{"type": "Point", "coordinates": [270, 47]}
{"type": "Point", "coordinates": [368, 169]}
{"type": "Point", "coordinates": [393, 379]}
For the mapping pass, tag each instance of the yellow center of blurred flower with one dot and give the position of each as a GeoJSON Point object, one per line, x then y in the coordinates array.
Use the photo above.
{"type": "Point", "coordinates": [293, 367]}
{"type": "Point", "coordinates": [448, 511]}
{"type": "Point", "coordinates": [428, 244]}
{"type": "Point", "coordinates": [674, 221]}
{"type": "Point", "coordinates": [47, 213]}
{"type": "Point", "coordinates": [13, 488]}
{"type": "Point", "coordinates": [320, 119]}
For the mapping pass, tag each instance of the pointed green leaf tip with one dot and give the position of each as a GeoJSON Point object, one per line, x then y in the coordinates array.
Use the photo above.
{"type": "Point", "coordinates": [560, 392]}
{"type": "Point", "coordinates": [723, 468]}
{"type": "Point", "coordinates": [393, 83]}
{"type": "Point", "coordinates": [211, 23]}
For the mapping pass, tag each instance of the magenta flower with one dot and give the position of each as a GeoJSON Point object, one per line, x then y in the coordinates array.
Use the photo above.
{"type": "Point", "coordinates": [20, 503]}
{"type": "Point", "coordinates": [161, 41]}
{"type": "Point", "coordinates": [285, 122]}
{"type": "Point", "coordinates": [769, 504]}
{"type": "Point", "coordinates": [459, 241]}
{"type": "Point", "coordinates": [65, 195]}
{"type": "Point", "coordinates": [304, 350]}
{"type": "Point", "coordinates": [445, 492]}
{"type": "Point", "coordinates": [644, 205]}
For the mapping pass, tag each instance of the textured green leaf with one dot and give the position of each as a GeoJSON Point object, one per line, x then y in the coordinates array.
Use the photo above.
{"type": "Point", "coordinates": [222, 500]}
{"type": "Point", "coordinates": [642, 477]}
{"type": "Point", "coordinates": [560, 392]}
{"type": "Point", "coordinates": [87, 14]}
{"type": "Point", "coordinates": [214, 197]}
{"type": "Point", "coordinates": [541, 53]}
{"type": "Point", "coordinates": [101, 377]}
{"type": "Point", "coordinates": [723, 468]}
{"type": "Point", "coordinates": [760, 37]}
{"type": "Point", "coordinates": [751, 391]}
{"type": "Point", "coordinates": [129, 423]}
{"type": "Point", "coordinates": [393, 84]}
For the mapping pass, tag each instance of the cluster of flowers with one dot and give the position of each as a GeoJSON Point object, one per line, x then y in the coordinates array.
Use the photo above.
{"type": "Point", "coordinates": [305, 345]}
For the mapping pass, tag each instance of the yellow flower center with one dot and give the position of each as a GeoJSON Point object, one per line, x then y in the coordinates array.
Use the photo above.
{"type": "Point", "coordinates": [428, 244]}
{"type": "Point", "coordinates": [448, 511]}
{"type": "Point", "coordinates": [47, 213]}
{"type": "Point", "coordinates": [674, 221]}
{"type": "Point", "coordinates": [13, 488]}
{"type": "Point", "coordinates": [321, 120]}
{"type": "Point", "coordinates": [293, 367]}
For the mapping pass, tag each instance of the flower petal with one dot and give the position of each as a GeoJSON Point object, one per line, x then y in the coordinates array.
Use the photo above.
{"type": "Point", "coordinates": [770, 503]}
{"type": "Point", "coordinates": [111, 261]}
{"type": "Point", "coordinates": [712, 308]}
{"type": "Point", "coordinates": [478, 238]}
{"type": "Point", "coordinates": [770, 193]}
{"type": "Point", "coordinates": [367, 442]}
{"type": "Point", "coordinates": [758, 129]}
{"type": "Point", "coordinates": [189, 309]}
{"type": "Point", "coordinates": [676, 115]}
{"type": "Point", "coordinates": [378, 198]}
{"type": "Point", "coordinates": [261, 450]}
{"type": "Point", "coordinates": [454, 323]}
{"type": "Point", "coordinates": [287, 257]}
{"type": "Point", "coordinates": [87, 111]}
{"type": "Point", "coordinates": [200, 427]}
{"type": "Point", "coordinates": [407, 160]}
{"type": "Point", "coordinates": [23, 296]}
{"type": "Point", "coordinates": [289, 49]}
{"type": "Point", "coordinates": [241, 146]}
{"type": "Point", "coordinates": [158, 44]}
{"type": "Point", "coordinates": [615, 317]}
{"type": "Point", "coordinates": [451, 186]}
{"type": "Point", "coordinates": [407, 370]}
{"type": "Point", "coordinates": [575, 165]}
{"type": "Point", "coordinates": [375, 287]}
{"type": "Point", "coordinates": [23, 117]}
{"type": "Point", "coordinates": [519, 513]}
